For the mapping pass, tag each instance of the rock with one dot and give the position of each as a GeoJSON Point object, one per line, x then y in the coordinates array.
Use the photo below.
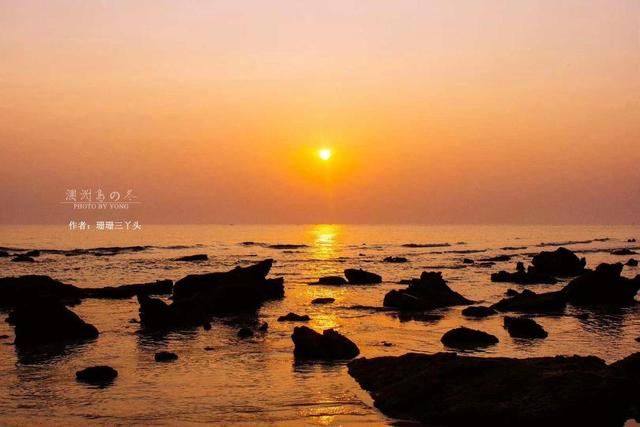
{"type": "Point", "coordinates": [4, 254]}
{"type": "Point", "coordinates": [209, 348]}
{"type": "Point", "coordinates": [245, 333]}
{"type": "Point", "coordinates": [293, 317]}
{"type": "Point", "coordinates": [97, 375]}
{"type": "Point", "coordinates": [631, 240]}
{"type": "Point", "coordinates": [48, 321]}
{"type": "Point", "coordinates": [23, 258]}
{"type": "Point", "coordinates": [4, 336]}
{"type": "Point", "coordinates": [206, 326]}
{"type": "Point", "coordinates": [511, 293]}
{"type": "Point", "coordinates": [632, 262]}
{"type": "Point", "coordinates": [522, 276]}
{"type": "Point", "coordinates": [560, 263]}
{"type": "Point", "coordinates": [478, 311]}
{"type": "Point", "coordinates": [395, 259]}
{"type": "Point", "coordinates": [624, 251]}
{"type": "Point", "coordinates": [602, 286]}
{"type": "Point", "coordinates": [583, 316]}
{"type": "Point", "coordinates": [522, 327]}
{"type": "Point", "coordinates": [23, 289]}
{"type": "Point", "coordinates": [155, 314]}
{"type": "Point", "coordinates": [33, 253]}
{"type": "Point", "coordinates": [499, 258]}
{"type": "Point", "coordinates": [466, 338]}
{"type": "Point", "coordinates": [197, 257]}
{"type": "Point", "coordinates": [323, 300]}
{"type": "Point", "coordinates": [530, 302]}
{"type": "Point", "coordinates": [332, 280]}
{"type": "Point", "coordinates": [361, 277]}
{"type": "Point", "coordinates": [330, 345]}
{"type": "Point", "coordinates": [159, 287]}
{"type": "Point", "coordinates": [264, 327]}
{"type": "Point", "coordinates": [428, 292]}
{"type": "Point", "coordinates": [242, 289]}
{"type": "Point", "coordinates": [446, 389]}
{"type": "Point", "coordinates": [638, 339]}
{"type": "Point", "coordinates": [468, 261]}
{"type": "Point", "coordinates": [387, 344]}
{"type": "Point", "coordinates": [165, 356]}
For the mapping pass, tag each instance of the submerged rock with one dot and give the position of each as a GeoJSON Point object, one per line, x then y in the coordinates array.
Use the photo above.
{"type": "Point", "coordinates": [332, 280]}
{"type": "Point", "coordinates": [32, 253]}
{"type": "Point", "coordinates": [530, 302]}
{"type": "Point", "coordinates": [159, 287]}
{"type": "Point", "coordinates": [330, 345]}
{"type": "Point", "coordinates": [165, 356]}
{"type": "Point", "coordinates": [522, 327]}
{"type": "Point", "coordinates": [97, 375]}
{"type": "Point", "coordinates": [499, 258]}
{"type": "Point", "coordinates": [560, 263]}
{"type": "Point", "coordinates": [361, 277]}
{"type": "Point", "coordinates": [245, 333]}
{"type": "Point", "coordinates": [293, 317]}
{"type": "Point", "coordinates": [604, 285]}
{"type": "Point", "coordinates": [395, 259]}
{"type": "Point", "coordinates": [478, 311]}
{"type": "Point", "coordinates": [23, 258]}
{"type": "Point", "coordinates": [428, 292]}
{"type": "Point", "coordinates": [466, 338]}
{"type": "Point", "coordinates": [48, 321]}
{"type": "Point", "coordinates": [451, 390]}
{"type": "Point", "coordinates": [468, 261]}
{"type": "Point", "coordinates": [23, 289]}
{"type": "Point", "coordinates": [196, 257]}
{"type": "Point", "coordinates": [264, 327]}
{"type": "Point", "coordinates": [624, 251]}
{"type": "Point", "coordinates": [632, 262]}
{"type": "Point", "coordinates": [323, 300]}
{"type": "Point", "coordinates": [4, 254]}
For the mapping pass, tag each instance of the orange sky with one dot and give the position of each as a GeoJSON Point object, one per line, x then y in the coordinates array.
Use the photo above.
{"type": "Point", "coordinates": [213, 112]}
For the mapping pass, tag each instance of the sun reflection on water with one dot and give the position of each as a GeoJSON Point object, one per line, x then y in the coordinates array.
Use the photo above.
{"type": "Point", "coordinates": [324, 240]}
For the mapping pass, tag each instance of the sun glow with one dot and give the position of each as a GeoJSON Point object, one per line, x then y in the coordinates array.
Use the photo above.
{"type": "Point", "coordinates": [325, 154]}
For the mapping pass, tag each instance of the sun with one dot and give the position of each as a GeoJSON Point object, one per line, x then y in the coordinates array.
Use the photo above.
{"type": "Point", "coordinates": [325, 154]}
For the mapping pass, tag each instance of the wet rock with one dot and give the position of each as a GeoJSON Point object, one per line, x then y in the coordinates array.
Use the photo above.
{"type": "Point", "coordinates": [478, 311]}
{"type": "Point", "coordinates": [624, 251]}
{"type": "Point", "coordinates": [468, 261]}
{"type": "Point", "coordinates": [23, 258]}
{"type": "Point", "coordinates": [560, 263]}
{"type": "Point", "coordinates": [155, 314]}
{"type": "Point", "coordinates": [48, 321]}
{"type": "Point", "coordinates": [632, 262]}
{"type": "Point", "coordinates": [530, 302]}
{"type": "Point", "coordinates": [396, 259]}
{"type": "Point", "coordinates": [191, 258]}
{"type": "Point", "coordinates": [499, 258]}
{"type": "Point", "coordinates": [602, 286]}
{"type": "Point", "coordinates": [165, 356]}
{"type": "Point", "coordinates": [23, 289]}
{"type": "Point", "coordinates": [330, 345]}
{"type": "Point", "coordinates": [245, 333]}
{"type": "Point", "coordinates": [97, 375]}
{"type": "Point", "coordinates": [332, 280]}
{"type": "Point", "coordinates": [522, 276]}
{"type": "Point", "coordinates": [522, 327]}
{"type": "Point", "coordinates": [242, 289]}
{"type": "Point", "coordinates": [465, 338]}
{"type": "Point", "coordinates": [428, 292]}
{"type": "Point", "coordinates": [293, 317]}
{"type": "Point", "coordinates": [159, 287]}
{"type": "Point", "coordinates": [323, 300]}
{"type": "Point", "coordinates": [361, 277]}
{"type": "Point", "coordinates": [451, 390]}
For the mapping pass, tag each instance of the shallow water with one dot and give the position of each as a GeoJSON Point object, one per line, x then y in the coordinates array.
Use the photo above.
{"type": "Point", "coordinates": [256, 381]}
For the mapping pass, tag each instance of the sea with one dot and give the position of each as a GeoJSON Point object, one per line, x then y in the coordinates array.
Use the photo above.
{"type": "Point", "coordinates": [220, 379]}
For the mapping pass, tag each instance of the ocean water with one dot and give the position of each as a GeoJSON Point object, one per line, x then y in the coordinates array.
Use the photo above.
{"type": "Point", "coordinates": [257, 381]}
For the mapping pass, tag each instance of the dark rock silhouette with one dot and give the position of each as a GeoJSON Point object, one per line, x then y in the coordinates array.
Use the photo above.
{"type": "Point", "coordinates": [624, 251]}
{"type": "Point", "coordinates": [522, 327]}
{"type": "Point", "coordinates": [332, 280]}
{"type": "Point", "coordinates": [530, 302]}
{"type": "Point", "coordinates": [264, 327]}
{"type": "Point", "coordinates": [4, 336]}
{"type": "Point", "coordinates": [498, 258]}
{"type": "Point", "coordinates": [560, 263]}
{"type": "Point", "coordinates": [48, 321]}
{"type": "Point", "coordinates": [23, 289]}
{"type": "Point", "coordinates": [468, 261]}
{"type": "Point", "coordinates": [428, 292]}
{"type": "Point", "coordinates": [32, 253]}
{"type": "Point", "coordinates": [4, 254]}
{"type": "Point", "coordinates": [330, 345]}
{"type": "Point", "coordinates": [245, 333]}
{"type": "Point", "coordinates": [293, 317]}
{"type": "Point", "coordinates": [361, 277]}
{"type": "Point", "coordinates": [196, 257]}
{"type": "Point", "coordinates": [23, 258]}
{"type": "Point", "coordinates": [522, 276]}
{"type": "Point", "coordinates": [465, 338]}
{"type": "Point", "coordinates": [478, 311]}
{"type": "Point", "coordinates": [451, 390]}
{"type": "Point", "coordinates": [638, 339]}
{"type": "Point", "coordinates": [165, 356]}
{"type": "Point", "coordinates": [632, 262]}
{"type": "Point", "coordinates": [511, 293]}
{"type": "Point", "coordinates": [396, 259]}
{"type": "Point", "coordinates": [242, 289]}
{"type": "Point", "coordinates": [97, 375]}
{"type": "Point", "coordinates": [155, 314]}
{"type": "Point", "coordinates": [323, 300]}
{"type": "Point", "coordinates": [604, 285]}
{"type": "Point", "coordinates": [631, 240]}
{"type": "Point", "coordinates": [159, 287]}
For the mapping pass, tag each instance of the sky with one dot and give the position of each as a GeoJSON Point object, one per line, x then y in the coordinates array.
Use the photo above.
{"type": "Point", "coordinates": [436, 112]}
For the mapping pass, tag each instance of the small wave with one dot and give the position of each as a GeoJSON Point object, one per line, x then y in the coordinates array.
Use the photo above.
{"type": "Point", "coordinates": [274, 245]}
{"type": "Point", "coordinates": [426, 245]}
{"type": "Point", "coordinates": [445, 267]}
{"type": "Point", "coordinates": [513, 248]}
